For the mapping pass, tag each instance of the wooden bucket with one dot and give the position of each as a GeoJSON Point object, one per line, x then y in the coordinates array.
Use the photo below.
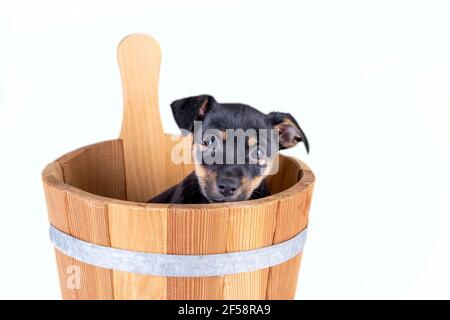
{"type": "Point", "coordinates": [95, 194]}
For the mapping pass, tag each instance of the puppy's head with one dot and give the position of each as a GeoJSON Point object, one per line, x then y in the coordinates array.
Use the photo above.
{"type": "Point", "coordinates": [234, 144]}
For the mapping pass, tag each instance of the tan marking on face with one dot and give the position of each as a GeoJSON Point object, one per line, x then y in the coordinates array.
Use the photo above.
{"type": "Point", "coordinates": [205, 176]}
{"type": "Point", "coordinates": [246, 187]}
{"type": "Point", "coordinates": [249, 185]}
{"type": "Point", "coordinates": [200, 171]}
{"type": "Point", "coordinates": [252, 141]}
{"type": "Point", "coordinates": [224, 135]}
{"type": "Point", "coordinates": [210, 175]}
{"type": "Point", "coordinates": [268, 163]}
{"type": "Point", "coordinates": [245, 182]}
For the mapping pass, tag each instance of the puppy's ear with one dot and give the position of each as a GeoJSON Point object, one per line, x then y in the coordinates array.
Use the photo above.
{"type": "Point", "coordinates": [188, 110]}
{"type": "Point", "coordinates": [290, 132]}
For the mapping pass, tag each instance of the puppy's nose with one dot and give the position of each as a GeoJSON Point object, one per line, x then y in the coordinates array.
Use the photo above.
{"type": "Point", "coordinates": [228, 186]}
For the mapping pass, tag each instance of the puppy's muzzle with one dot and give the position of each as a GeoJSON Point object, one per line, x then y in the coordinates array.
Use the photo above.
{"type": "Point", "coordinates": [228, 186]}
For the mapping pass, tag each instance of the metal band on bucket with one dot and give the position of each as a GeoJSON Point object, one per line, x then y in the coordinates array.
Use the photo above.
{"type": "Point", "coordinates": [171, 265]}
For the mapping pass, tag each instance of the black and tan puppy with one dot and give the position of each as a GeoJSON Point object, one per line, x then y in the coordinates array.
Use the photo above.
{"type": "Point", "coordinates": [234, 147]}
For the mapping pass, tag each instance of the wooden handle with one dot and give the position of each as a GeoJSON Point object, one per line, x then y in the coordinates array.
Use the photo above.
{"type": "Point", "coordinates": [139, 61]}
{"type": "Point", "coordinates": [139, 58]}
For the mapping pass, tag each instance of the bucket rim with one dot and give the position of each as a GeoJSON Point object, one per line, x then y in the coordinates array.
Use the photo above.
{"type": "Point", "coordinates": [305, 182]}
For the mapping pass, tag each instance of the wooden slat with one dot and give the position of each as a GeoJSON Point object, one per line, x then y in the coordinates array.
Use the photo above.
{"type": "Point", "coordinates": [88, 220]}
{"type": "Point", "coordinates": [292, 218]}
{"type": "Point", "coordinates": [78, 280]}
{"type": "Point", "coordinates": [66, 276]}
{"type": "Point", "coordinates": [196, 231]}
{"type": "Point", "coordinates": [283, 279]}
{"type": "Point", "coordinates": [88, 217]}
{"type": "Point", "coordinates": [139, 228]}
{"type": "Point", "coordinates": [98, 169]}
{"type": "Point", "coordinates": [249, 228]}
{"type": "Point", "coordinates": [82, 281]}
{"type": "Point", "coordinates": [246, 285]}
{"type": "Point", "coordinates": [55, 195]}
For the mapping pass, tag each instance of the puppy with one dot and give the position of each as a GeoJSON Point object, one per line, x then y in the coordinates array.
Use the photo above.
{"type": "Point", "coordinates": [234, 147]}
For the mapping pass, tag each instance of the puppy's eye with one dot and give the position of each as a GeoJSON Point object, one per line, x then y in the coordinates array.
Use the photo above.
{"type": "Point", "coordinates": [209, 141]}
{"type": "Point", "coordinates": [260, 153]}
{"type": "Point", "coordinates": [257, 153]}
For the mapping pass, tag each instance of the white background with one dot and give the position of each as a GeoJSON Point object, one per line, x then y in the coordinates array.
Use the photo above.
{"type": "Point", "coordinates": [369, 82]}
